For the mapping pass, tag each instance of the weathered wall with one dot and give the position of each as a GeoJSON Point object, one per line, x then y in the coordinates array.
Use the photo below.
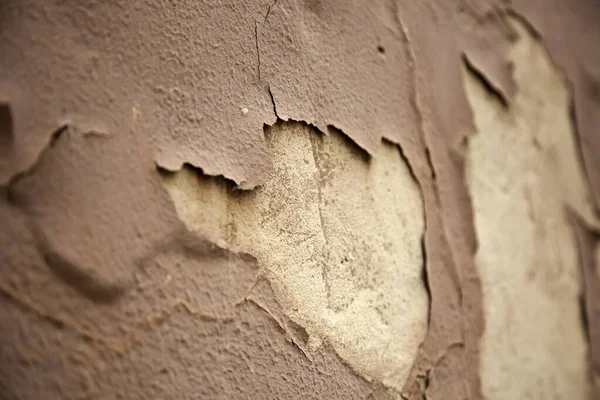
{"type": "Point", "coordinates": [525, 177]}
{"type": "Point", "coordinates": [299, 199]}
{"type": "Point", "coordinates": [337, 234]}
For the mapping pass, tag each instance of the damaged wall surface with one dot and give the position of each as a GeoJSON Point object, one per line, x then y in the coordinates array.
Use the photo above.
{"type": "Point", "coordinates": [525, 179]}
{"type": "Point", "coordinates": [299, 199]}
{"type": "Point", "coordinates": [338, 235]}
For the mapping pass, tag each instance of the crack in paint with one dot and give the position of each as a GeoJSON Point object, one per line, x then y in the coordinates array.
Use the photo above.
{"type": "Point", "coordinates": [257, 49]}
{"type": "Point", "coordinates": [269, 10]}
{"type": "Point", "coordinates": [485, 82]}
{"type": "Point", "coordinates": [116, 345]}
{"type": "Point", "coordinates": [288, 334]}
{"type": "Point", "coordinates": [273, 103]}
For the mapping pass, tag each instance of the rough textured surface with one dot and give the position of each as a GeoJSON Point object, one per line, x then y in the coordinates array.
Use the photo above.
{"type": "Point", "coordinates": [524, 177]}
{"type": "Point", "coordinates": [194, 82]}
{"type": "Point", "coordinates": [194, 321]}
{"type": "Point", "coordinates": [338, 234]}
{"type": "Point", "coordinates": [156, 68]}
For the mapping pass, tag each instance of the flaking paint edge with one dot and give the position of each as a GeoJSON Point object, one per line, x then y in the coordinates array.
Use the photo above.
{"type": "Point", "coordinates": [523, 172]}
{"type": "Point", "coordinates": [339, 236]}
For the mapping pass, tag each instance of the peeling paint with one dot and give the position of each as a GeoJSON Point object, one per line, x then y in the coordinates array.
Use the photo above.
{"type": "Point", "coordinates": [524, 175]}
{"type": "Point", "coordinates": [339, 236]}
{"type": "Point", "coordinates": [193, 83]}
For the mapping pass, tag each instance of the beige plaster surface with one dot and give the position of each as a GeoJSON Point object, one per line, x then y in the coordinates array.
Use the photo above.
{"type": "Point", "coordinates": [337, 233]}
{"type": "Point", "coordinates": [523, 172]}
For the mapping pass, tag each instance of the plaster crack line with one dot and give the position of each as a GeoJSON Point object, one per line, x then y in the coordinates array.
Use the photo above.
{"type": "Point", "coordinates": [289, 336]}
{"type": "Point", "coordinates": [269, 11]}
{"type": "Point", "coordinates": [411, 171]}
{"type": "Point", "coordinates": [273, 102]}
{"type": "Point", "coordinates": [414, 95]}
{"type": "Point", "coordinates": [414, 100]}
{"type": "Point", "coordinates": [257, 49]}
{"type": "Point", "coordinates": [119, 344]}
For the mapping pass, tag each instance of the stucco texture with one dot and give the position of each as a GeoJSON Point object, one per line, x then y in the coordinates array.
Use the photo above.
{"type": "Point", "coordinates": [526, 179]}
{"type": "Point", "coordinates": [298, 198]}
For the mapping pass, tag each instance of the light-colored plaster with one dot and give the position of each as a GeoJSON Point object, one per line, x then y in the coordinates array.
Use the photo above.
{"type": "Point", "coordinates": [523, 171]}
{"type": "Point", "coordinates": [339, 236]}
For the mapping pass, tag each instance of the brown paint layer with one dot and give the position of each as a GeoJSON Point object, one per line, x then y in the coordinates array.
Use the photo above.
{"type": "Point", "coordinates": [156, 68]}
{"type": "Point", "coordinates": [194, 83]}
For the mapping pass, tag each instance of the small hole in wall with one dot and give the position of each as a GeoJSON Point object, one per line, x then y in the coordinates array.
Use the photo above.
{"type": "Point", "coordinates": [381, 49]}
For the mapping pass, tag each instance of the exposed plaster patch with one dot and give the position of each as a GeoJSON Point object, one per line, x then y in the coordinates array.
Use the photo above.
{"type": "Point", "coordinates": [189, 68]}
{"type": "Point", "coordinates": [339, 236]}
{"type": "Point", "coordinates": [523, 172]}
